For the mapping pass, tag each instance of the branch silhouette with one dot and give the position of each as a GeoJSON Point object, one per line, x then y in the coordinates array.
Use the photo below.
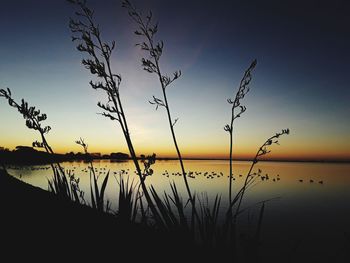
{"type": "Point", "coordinates": [87, 34]}
{"type": "Point", "coordinates": [147, 29]}
{"type": "Point", "coordinates": [62, 184]}
{"type": "Point", "coordinates": [236, 106]}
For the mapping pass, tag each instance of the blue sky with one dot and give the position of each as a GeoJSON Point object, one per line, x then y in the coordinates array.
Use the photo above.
{"type": "Point", "coordinates": [301, 80]}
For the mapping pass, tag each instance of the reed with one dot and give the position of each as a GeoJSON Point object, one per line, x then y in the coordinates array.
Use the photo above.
{"type": "Point", "coordinates": [64, 186]}
{"type": "Point", "coordinates": [87, 33]}
{"type": "Point", "coordinates": [236, 111]}
{"type": "Point", "coordinates": [251, 176]}
{"type": "Point", "coordinates": [147, 29]}
{"type": "Point", "coordinates": [230, 225]}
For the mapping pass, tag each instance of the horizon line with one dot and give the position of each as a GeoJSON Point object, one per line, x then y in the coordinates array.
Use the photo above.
{"type": "Point", "coordinates": [261, 160]}
{"type": "Point", "coordinates": [272, 159]}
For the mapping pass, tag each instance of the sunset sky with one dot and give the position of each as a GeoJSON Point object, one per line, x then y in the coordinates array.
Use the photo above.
{"type": "Point", "coordinates": [301, 81]}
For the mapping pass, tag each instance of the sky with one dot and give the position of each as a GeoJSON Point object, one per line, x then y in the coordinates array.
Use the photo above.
{"type": "Point", "coordinates": [301, 81]}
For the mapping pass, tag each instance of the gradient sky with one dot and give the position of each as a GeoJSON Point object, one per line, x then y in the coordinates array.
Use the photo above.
{"type": "Point", "coordinates": [301, 81]}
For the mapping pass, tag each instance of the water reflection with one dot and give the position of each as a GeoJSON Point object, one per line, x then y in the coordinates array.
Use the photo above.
{"type": "Point", "coordinates": [289, 181]}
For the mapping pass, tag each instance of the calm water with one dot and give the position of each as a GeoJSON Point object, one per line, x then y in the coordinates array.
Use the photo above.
{"type": "Point", "coordinates": [303, 216]}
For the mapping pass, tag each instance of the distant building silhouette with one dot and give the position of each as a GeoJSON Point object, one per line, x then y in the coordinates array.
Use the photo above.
{"type": "Point", "coordinates": [25, 149]}
{"type": "Point", "coordinates": [119, 155]}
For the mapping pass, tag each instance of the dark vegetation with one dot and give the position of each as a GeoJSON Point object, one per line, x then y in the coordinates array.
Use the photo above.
{"type": "Point", "coordinates": [37, 224]}
{"type": "Point", "coordinates": [29, 155]}
{"type": "Point", "coordinates": [146, 220]}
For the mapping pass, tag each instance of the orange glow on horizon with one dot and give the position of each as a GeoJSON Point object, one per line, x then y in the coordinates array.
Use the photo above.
{"type": "Point", "coordinates": [290, 148]}
{"type": "Point", "coordinates": [286, 151]}
{"type": "Point", "coordinates": [276, 154]}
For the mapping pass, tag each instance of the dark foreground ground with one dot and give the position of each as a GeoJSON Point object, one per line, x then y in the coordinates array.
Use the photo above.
{"type": "Point", "coordinates": [60, 230]}
{"type": "Point", "coordinates": [37, 226]}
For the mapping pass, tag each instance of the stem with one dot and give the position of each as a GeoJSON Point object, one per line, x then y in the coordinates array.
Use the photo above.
{"type": "Point", "coordinates": [122, 120]}
{"type": "Point", "coordinates": [150, 41]}
{"type": "Point", "coordinates": [231, 159]}
{"type": "Point", "coordinates": [260, 152]}
{"type": "Point", "coordinates": [245, 186]}
{"type": "Point", "coordinates": [242, 91]}
{"type": "Point", "coordinates": [190, 196]}
{"type": "Point", "coordinates": [177, 148]}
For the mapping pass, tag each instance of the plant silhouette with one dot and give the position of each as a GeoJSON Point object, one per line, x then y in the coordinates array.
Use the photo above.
{"type": "Point", "coordinates": [147, 29]}
{"type": "Point", "coordinates": [236, 105]}
{"type": "Point", "coordinates": [97, 194]}
{"type": "Point", "coordinates": [65, 186]}
{"type": "Point", "coordinates": [88, 36]}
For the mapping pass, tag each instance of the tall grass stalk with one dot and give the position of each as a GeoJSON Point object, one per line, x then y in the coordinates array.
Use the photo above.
{"type": "Point", "coordinates": [236, 111]}
{"type": "Point", "coordinates": [230, 224]}
{"type": "Point", "coordinates": [87, 33]}
{"type": "Point", "coordinates": [250, 177]}
{"type": "Point", "coordinates": [147, 29]}
{"type": "Point", "coordinates": [61, 185]}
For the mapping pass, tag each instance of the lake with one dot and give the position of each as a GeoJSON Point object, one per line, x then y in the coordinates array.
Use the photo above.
{"type": "Point", "coordinates": [308, 212]}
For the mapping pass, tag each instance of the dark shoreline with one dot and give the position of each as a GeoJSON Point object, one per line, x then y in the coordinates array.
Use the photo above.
{"type": "Point", "coordinates": [249, 160]}
{"type": "Point", "coordinates": [36, 222]}
{"type": "Point", "coordinates": [28, 155]}
{"type": "Point", "coordinates": [60, 160]}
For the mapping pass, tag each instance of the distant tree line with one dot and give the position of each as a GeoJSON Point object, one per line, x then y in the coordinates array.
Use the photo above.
{"type": "Point", "coordinates": [28, 155]}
